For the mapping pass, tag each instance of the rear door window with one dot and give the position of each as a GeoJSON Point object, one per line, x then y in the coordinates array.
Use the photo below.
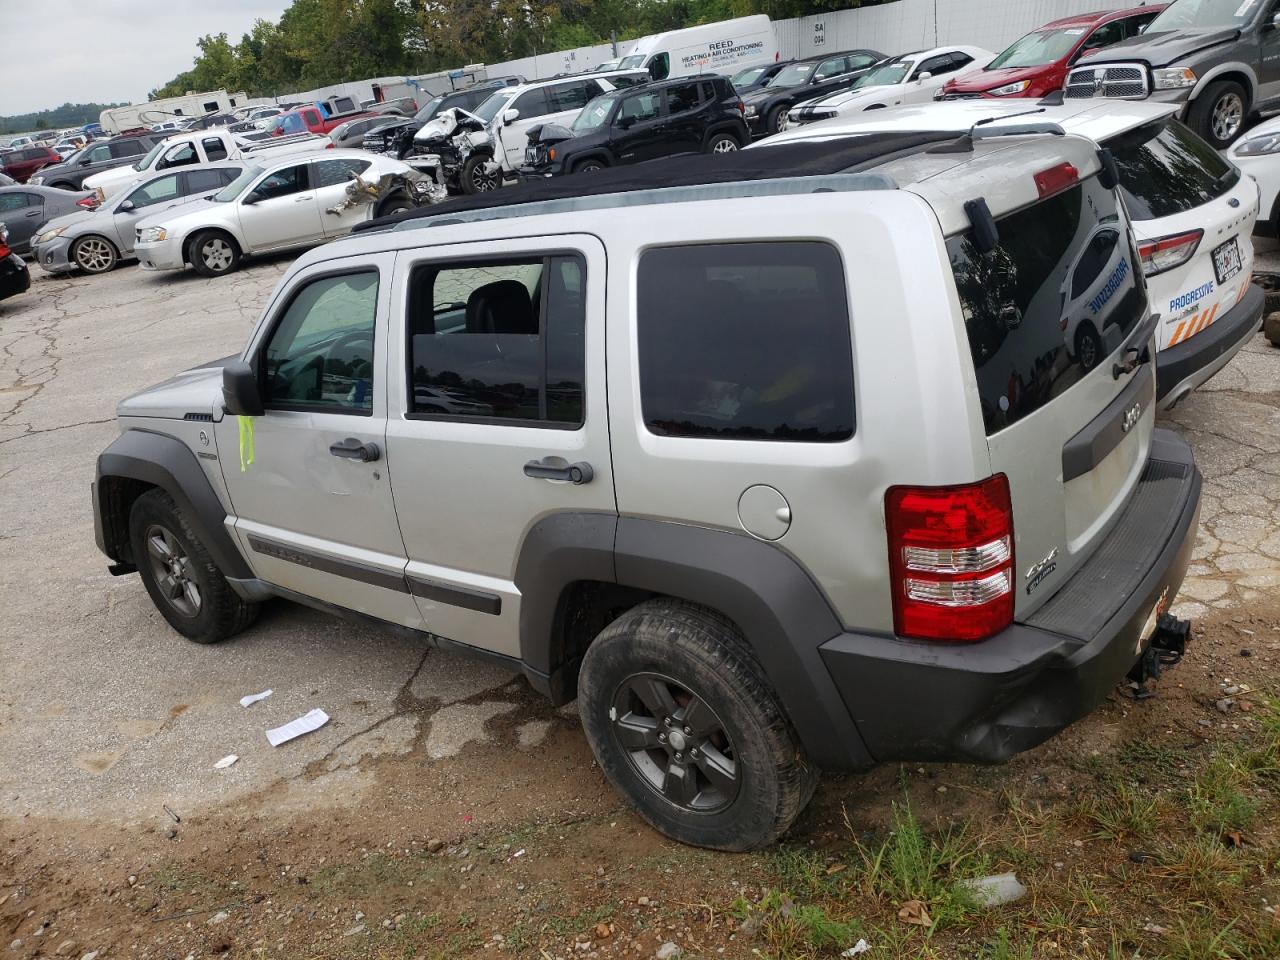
{"type": "Point", "coordinates": [330, 173]}
{"type": "Point", "coordinates": [531, 103]}
{"type": "Point", "coordinates": [207, 181]}
{"type": "Point", "coordinates": [569, 96]}
{"type": "Point", "coordinates": [1167, 169]}
{"type": "Point", "coordinates": [745, 341]}
{"type": "Point", "coordinates": [1060, 291]}
{"type": "Point", "coordinates": [214, 148]}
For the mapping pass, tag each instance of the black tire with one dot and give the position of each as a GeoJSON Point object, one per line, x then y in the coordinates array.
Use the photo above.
{"type": "Point", "coordinates": [218, 612]}
{"type": "Point", "coordinates": [1219, 113]}
{"type": "Point", "coordinates": [94, 254]}
{"type": "Point", "coordinates": [722, 143]}
{"type": "Point", "coordinates": [773, 122]}
{"type": "Point", "coordinates": [213, 253]}
{"type": "Point", "coordinates": [474, 180]}
{"type": "Point", "coordinates": [397, 204]}
{"type": "Point", "coordinates": [1088, 347]}
{"type": "Point", "coordinates": [588, 166]}
{"type": "Point", "coordinates": [703, 662]}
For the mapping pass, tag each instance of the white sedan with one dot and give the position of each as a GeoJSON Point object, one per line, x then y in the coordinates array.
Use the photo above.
{"type": "Point", "coordinates": [291, 202]}
{"type": "Point", "coordinates": [909, 78]}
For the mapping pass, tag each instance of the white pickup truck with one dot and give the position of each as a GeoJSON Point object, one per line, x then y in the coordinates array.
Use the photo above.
{"type": "Point", "coordinates": [201, 146]}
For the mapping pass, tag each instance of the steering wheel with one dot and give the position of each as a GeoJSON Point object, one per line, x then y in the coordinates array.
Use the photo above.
{"type": "Point", "coordinates": [356, 337]}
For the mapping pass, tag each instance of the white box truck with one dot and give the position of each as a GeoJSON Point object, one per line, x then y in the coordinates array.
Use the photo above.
{"type": "Point", "coordinates": [158, 111]}
{"type": "Point", "coordinates": [725, 47]}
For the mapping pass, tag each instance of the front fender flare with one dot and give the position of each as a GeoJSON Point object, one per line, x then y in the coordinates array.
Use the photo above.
{"type": "Point", "coordinates": [163, 461]}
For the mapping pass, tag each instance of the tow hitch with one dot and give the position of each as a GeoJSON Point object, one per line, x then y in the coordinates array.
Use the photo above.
{"type": "Point", "coordinates": [1166, 649]}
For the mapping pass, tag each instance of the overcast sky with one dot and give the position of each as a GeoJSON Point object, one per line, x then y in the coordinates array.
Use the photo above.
{"type": "Point", "coordinates": [55, 51]}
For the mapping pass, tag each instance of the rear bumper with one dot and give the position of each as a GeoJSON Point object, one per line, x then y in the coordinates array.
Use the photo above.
{"type": "Point", "coordinates": [1192, 363]}
{"type": "Point", "coordinates": [988, 701]}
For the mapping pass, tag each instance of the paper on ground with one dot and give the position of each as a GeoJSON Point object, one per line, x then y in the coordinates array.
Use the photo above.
{"type": "Point", "coordinates": [296, 728]}
{"type": "Point", "coordinates": [225, 762]}
{"type": "Point", "coordinates": [253, 698]}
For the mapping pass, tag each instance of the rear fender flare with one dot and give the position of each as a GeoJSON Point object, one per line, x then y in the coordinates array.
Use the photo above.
{"type": "Point", "coordinates": [780, 610]}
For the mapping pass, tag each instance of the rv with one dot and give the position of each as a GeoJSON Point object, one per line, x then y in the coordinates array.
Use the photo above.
{"type": "Point", "coordinates": [724, 47]}
{"type": "Point", "coordinates": [118, 119]}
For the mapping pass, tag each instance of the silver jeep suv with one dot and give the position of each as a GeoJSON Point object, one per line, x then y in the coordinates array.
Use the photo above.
{"type": "Point", "coordinates": [776, 461]}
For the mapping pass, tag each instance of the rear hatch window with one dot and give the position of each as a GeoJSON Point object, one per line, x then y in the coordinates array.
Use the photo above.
{"type": "Point", "coordinates": [1166, 169]}
{"type": "Point", "coordinates": [1058, 294]}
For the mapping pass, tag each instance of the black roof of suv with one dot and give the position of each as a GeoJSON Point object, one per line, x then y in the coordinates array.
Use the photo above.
{"type": "Point", "coordinates": [98, 156]}
{"type": "Point", "coordinates": [646, 122]}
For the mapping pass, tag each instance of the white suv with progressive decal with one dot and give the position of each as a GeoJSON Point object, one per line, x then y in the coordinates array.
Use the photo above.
{"type": "Point", "coordinates": [1192, 210]}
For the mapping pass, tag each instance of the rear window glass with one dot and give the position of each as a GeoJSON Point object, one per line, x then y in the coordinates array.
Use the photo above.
{"type": "Point", "coordinates": [1059, 293]}
{"type": "Point", "coordinates": [1167, 169]}
{"type": "Point", "coordinates": [746, 341]}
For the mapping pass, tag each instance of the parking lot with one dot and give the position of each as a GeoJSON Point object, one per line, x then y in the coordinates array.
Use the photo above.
{"type": "Point", "coordinates": [111, 724]}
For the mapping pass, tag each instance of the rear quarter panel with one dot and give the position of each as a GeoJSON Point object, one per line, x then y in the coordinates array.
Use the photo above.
{"type": "Point", "coordinates": [915, 422]}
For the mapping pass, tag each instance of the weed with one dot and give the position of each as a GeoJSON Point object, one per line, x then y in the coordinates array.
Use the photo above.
{"type": "Point", "coordinates": [1001, 947]}
{"type": "Point", "coordinates": [1121, 810]}
{"type": "Point", "coordinates": [911, 865]}
{"type": "Point", "coordinates": [1216, 800]}
{"type": "Point", "coordinates": [793, 930]}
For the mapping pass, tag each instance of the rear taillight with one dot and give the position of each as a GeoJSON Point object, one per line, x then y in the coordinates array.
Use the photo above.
{"type": "Point", "coordinates": [4, 243]}
{"type": "Point", "coordinates": [1165, 253]}
{"type": "Point", "coordinates": [89, 203]}
{"type": "Point", "coordinates": [951, 559]}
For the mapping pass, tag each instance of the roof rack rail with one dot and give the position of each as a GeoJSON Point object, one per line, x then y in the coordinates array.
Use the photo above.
{"type": "Point", "coordinates": [984, 130]}
{"type": "Point", "coordinates": [782, 187]}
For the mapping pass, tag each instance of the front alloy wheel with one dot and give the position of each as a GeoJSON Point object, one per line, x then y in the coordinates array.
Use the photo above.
{"type": "Point", "coordinates": [216, 254]}
{"type": "Point", "coordinates": [675, 742]}
{"type": "Point", "coordinates": [95, 255]}
{"type": "Point", "coordinates": [172, 570]}
{"type": "Point", "coordinates": [1228, 115]}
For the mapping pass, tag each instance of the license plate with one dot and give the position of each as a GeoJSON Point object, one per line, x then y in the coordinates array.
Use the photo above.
{"type": "Point", "coordinates": [1226, 260]}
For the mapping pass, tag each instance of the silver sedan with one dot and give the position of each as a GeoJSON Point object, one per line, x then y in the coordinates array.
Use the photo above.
{"type": "Point", "coordinates": [96, 240]}
{"type": "Point", "coordinates": [25, 209]}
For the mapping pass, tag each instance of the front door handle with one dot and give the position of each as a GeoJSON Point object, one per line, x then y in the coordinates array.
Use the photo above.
{"type": "Point", "coordinates": [549, 469]}
{"type": "Point", "coordinates": [302, 199]}
{"type": "Point", "coordinates": [353, 449]}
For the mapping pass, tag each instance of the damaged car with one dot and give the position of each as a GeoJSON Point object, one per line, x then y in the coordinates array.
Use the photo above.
{"type": "Point", "coordinates": [293, 202]}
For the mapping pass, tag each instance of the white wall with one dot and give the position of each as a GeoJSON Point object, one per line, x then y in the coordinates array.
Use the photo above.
{"type": "Point", "coordinates": [907, 25]}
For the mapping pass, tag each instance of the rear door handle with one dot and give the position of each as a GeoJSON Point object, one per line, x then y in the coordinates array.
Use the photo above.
{"type": "Point", "coordinates": [549, 469]}
{"type": "Point", "coordinates": [353, 449]}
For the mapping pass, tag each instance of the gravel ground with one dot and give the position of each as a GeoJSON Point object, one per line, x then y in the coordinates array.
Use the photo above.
{"type": "Point", "coordinates": [106, 714]}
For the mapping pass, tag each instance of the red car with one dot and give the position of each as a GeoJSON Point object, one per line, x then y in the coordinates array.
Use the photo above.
{"type": "Point", "coordinates": [23, 162]}
{"type": "Point", "coordinates": [1038, 64]}
{"type": "Point", "coordinates": [312, 120]}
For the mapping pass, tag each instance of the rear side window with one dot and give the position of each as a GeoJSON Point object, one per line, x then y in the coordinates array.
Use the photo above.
{"type": "Point", "coordinates": [214, 148]}
{"type": "Point", "coordinates": [682, 97]}
{"type": "Point", "coordinates": [1167, 169]}
{"type": "Point", "coordinates": [1060, 291]}
{"type": "Point", "coordinates": [568, 96]}
{"type": "Point", "coordinates": [745, 341]}
{"type": "Point", "coordinates": [331, 173]}
{"type": "Point", "coordinates": [498, 341]}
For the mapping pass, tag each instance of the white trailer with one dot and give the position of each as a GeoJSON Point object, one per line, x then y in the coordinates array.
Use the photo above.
{"type": "Point", "coordinates": [157, 111]}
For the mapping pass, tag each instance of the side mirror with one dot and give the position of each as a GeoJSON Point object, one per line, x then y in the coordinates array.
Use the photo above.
{"type": "Point", "coordinates": [626, 123]}
{"type": "Point", "coordinates": [240, 393]}
{"type": "Point", "coordinates": [252, 197]}
{"type": "Point", "coordinates": [511, 116]}
{"type": "Point", "coordinates": [84, 161]}
{"type": "Point", "coordinates": [125, 207]}
{"type": "Point", "coordinates": [924, 76]}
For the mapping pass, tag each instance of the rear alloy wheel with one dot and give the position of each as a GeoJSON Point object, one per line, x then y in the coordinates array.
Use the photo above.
{"type": "Point", "coordinates": [684, 723]}
{"type": "Point", "coordinates": [213, 254]}
{"type": "Point", "coordinates": [398, 205]}
{"type": "Point", "coordinates": [94, 255]}
{"type": "Point", "coordinates": [723, 143]}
